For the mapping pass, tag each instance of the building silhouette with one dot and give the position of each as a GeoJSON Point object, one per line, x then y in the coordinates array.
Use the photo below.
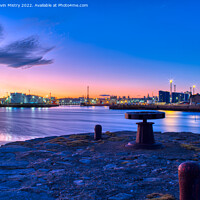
{"type": "Point", "coordinates": [164, 96]}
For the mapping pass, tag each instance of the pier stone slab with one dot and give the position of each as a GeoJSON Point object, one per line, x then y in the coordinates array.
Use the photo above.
{"type": "Point", "coordinates": [13, 164]}
{"type": "Point", "coordinates": [13, 149]}
{"type": "Point", "coordinates": [24, 195]}
{"type": "Point", "coordinates": [16, 171]}
{"type": "Point", "coordinates": [122, 196]}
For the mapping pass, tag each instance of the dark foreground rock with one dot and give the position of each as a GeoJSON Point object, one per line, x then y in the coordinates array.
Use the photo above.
{"type": "Point", "coordinates": [76, 167]}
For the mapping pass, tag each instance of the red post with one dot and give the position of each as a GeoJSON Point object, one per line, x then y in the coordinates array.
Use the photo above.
{"type": "Point", "coordinates": [189, 181]}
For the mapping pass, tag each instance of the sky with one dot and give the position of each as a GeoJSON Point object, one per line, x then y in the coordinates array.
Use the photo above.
{"type": "Point", "coordinates": [115, 47]}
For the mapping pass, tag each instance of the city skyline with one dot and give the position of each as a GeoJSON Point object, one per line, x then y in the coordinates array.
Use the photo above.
{"type": "Point", "coordinates": [191, 89]}
{"type": "Point", "coordinates": [132, 53]}
{"type": "Point", "coordinates": [87, 95]}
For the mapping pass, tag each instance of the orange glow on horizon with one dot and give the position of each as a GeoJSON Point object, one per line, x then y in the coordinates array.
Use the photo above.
{"type": "Point", "coordinates": [60, 94]}
{"type": "Point", "coordinates": [43, 80]}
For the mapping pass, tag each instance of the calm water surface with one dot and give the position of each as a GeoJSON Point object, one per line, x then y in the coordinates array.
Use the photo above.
{"type": "Point", "coordinates": [26, 123]}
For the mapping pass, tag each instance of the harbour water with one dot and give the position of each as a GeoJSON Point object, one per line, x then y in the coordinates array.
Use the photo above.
{"type": "Point", "coordinates": [27, 123]}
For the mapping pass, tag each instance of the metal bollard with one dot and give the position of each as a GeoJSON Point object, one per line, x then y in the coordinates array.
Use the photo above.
{"type": "Point", "coordinates": [189, 181]}
{"type": "Point", "coordinates": [97, 132]}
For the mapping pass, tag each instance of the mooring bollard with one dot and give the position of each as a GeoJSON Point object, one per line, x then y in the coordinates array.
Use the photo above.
{"type": "Point", "coordinates": [189, 181]}
{"type": "Point", "coordinates": [97, 132]}
{"type": "Point", "coordinates": [145, 136]}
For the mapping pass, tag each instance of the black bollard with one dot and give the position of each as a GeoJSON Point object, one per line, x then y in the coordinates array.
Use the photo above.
{"type": "Point", "coordinates": [97, 132]}
{"type": "Point", "coordinates": [189, 181]}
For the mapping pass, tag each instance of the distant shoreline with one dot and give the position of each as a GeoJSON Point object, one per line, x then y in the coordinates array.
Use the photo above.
{"type": "Point", "coordinates": [29, 105]}
{"type": "Point", "coordinates": [187, 108]}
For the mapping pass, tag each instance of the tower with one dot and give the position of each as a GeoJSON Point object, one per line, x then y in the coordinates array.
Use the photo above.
{"type": "Point", "coordinates": [174, 88]}
{"type": "Point", "coordinates": [50, 98]}
{"type": "Point", "coordinates": [87, 94]}
{"type": "Point", "coordinates": [170, 90]}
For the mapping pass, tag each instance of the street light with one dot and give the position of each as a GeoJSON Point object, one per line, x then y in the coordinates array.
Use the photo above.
{"type": "Point", "coordinates": [193, 89]}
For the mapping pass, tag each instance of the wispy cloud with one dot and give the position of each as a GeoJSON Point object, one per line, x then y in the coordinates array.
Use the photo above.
{"type": "Point", "coordinates": [24, 53]}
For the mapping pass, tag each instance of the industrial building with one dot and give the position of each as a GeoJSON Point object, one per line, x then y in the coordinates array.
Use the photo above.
{"type": "Point", "coordinates": [17, 98]}
{"type": "Point", "coordinates": [21, 98]}
{"type": "Point", "coordinates": [195, 99]}
{"type": "Point", "coordinates": [164, 96]}
{"type": "Point", "coordinates": [178, 97]}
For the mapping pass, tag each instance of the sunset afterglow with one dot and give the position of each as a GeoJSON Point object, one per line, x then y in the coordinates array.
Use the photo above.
{"type": "Point", "coordinates": [146, 45]}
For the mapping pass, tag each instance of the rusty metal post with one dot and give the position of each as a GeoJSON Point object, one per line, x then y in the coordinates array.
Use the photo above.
{"type": "Point", "coordinates": [145, 133]}
{"type": "Point", "coordinates": [97, 132]}
{"type": "Point", "coordinates": [189, 181]}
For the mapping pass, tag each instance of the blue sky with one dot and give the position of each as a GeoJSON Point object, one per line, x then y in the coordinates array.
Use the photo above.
{"type": "Point", "coordinates": [134, 46]}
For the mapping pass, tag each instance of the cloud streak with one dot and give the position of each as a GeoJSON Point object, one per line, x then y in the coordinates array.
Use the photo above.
{"type": "Point", "coordinates": [24, 53]}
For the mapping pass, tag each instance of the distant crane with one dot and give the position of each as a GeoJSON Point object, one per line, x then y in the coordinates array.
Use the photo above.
{"type": "Point", "coordinates": [88, 95]}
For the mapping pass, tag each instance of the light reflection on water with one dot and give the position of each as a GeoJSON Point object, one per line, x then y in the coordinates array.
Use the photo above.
{"type": "Point", "coordinates": [26, 123]}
